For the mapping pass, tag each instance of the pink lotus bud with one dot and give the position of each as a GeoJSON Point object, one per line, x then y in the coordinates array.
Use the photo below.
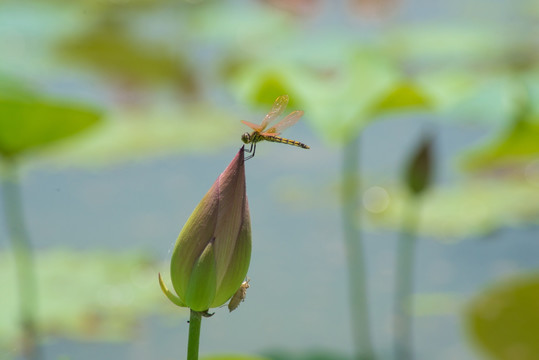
{"type": "Point", "coordinates": [212, 254]}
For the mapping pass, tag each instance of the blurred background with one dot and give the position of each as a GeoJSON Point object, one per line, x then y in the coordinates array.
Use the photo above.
{"type": "Point", "coordinates": [409, 230]}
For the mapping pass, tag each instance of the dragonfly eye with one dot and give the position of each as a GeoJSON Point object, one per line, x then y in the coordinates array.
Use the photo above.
{"type": "Point", "coordinates": [246, 138]}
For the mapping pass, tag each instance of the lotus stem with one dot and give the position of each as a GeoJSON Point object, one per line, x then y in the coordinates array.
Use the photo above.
{"type": "Point", "coordinates": [24, 257]}
{"type": "Point", "coordinates": [357, 275]}
{"type": "Point", "coordinates": [404, 282]}
{"type": "Point", "coordinates": [194, 335]}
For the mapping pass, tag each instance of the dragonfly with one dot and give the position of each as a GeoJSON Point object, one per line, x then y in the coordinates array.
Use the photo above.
{"type": "Point", "coordinates": [272, 134]}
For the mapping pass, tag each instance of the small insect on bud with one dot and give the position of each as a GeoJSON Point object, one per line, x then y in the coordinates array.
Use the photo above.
{"type": "Point", "coordinates": [239, 296]}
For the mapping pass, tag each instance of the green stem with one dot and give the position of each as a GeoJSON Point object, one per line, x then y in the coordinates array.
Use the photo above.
{"type": "Point", "coordinates": [404, 283]}
{"type": "Point", "coordinates": [194, 335]}
{"type": "Point", "coordinates": [354, 249]}
{"type": "Point", "coordinates": [24, 258]}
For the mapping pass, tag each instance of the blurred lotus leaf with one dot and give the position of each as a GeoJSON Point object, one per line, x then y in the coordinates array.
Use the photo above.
{"type": "Point", "coordinates": [470, 72]}
{"type": "Point", "coordinates": [120, 5]}
{"type": "Point", "coordinates": [11, 88]}
{"type": "Point", "coordinates": [158, 130]}
{"type": "Point", "coordinates": [504, 320]}
{"type": "Point", "coordinates": [243, 27]}
{"type": "Point", "coordinates": [519, 143]}
{"type": "Point", "coordinates": [118, 55]}
{"type": "Point", "coordinates": [28, 124]}
{"type": "Point", "coordinates": [233, 357]}
{"type": "Point", "coordinates": [531, 8]}
{"type": "Point", "coordinates": [489, 101]}
{"type": "Point", "coordinates": [470, 209]}
{"type": "Point", "coordinates": [339, 101]}
{"type": "Point", "coordinates": [307, 355]}
{"type": "Point", "coordinates": [461, 95]}
{"type": "Point", "coordinates": [259, 84]}
{"type": "Point", "coordinates": [435, 304]}
{"type": "Point", "coordinates": [85, 295]}
{"type": "Point", "coordinates": [336, 96]}
{"type": "Point", "coordinates": [441, 44]}
{"type": "Point", "coordinates": [402, 96]}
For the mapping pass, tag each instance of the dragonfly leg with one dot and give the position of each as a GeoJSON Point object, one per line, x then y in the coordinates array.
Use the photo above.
{"type": "Point", "coordinates": [251, 151]}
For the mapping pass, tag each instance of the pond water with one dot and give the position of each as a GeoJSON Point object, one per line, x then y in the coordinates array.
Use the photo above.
{"type": "Point", "coordinates": [298, 296]}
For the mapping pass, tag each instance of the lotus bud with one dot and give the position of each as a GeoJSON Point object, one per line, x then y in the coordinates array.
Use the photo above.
{"type": "Point", "coordinates": [418, 171]}
{"type": "Point", "coordinates": [212, 254]}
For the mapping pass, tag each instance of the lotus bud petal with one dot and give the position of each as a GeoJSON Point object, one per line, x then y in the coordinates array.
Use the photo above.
{"type": "Point", "coordinates": [212, 254]}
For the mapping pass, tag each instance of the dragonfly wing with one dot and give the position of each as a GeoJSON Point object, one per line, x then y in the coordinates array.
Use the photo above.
{"type": "Point", "coordinates": [288, 121]}
{"type": "Point", "coordinates": [277, 109]}
{"type": "Point", "coordinates": [270, 134]}
{"type": "Point", "coordinates": [252, 126]}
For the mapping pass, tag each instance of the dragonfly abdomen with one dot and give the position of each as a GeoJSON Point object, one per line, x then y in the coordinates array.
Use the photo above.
{"type": "Point", "coordinates": [281, 140]}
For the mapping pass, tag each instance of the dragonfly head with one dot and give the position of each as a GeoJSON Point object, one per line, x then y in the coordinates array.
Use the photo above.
{"type": "Point", "coordinates": [246, 138]}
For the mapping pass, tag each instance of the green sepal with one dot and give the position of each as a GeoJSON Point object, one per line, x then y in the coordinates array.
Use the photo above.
{"type": "Point", "coordinates": [202, 282]}
{"type": "Point", "coordinates": [176, 300]}
{"type": "Point", "coordinates": [193, 239]}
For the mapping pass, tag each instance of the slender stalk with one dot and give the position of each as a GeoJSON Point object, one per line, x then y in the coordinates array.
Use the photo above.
{"type": "Point", "coordinates": [354, 249]}
{"type": "Point", "coordinates": [404, 282]}
{"type": "Point", "coordinates": [194, 335]}
{"type": "Point", "coordinates": [24, 258]}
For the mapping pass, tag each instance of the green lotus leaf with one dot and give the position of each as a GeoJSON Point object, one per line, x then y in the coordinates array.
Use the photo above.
{"type": "Point", "coordinates": [469, 209]}
{"type": "Point", "coordinates": [33, 123]}
{"type": "Point", "coordinates": [504, 320]}
{"type": "Point", "coordinates": [336, 95]}
{"type": "Point", "coordinates": [518, 143]}
{"type": "Point", "coordinates": [158, 130]}
{"type": "Point", "coordinates": [316, 354]}
{"type": "Point", "coordinates": [451, 89]}
{"type": "Point", "coordinates": [403, 96]}
{"type": "Point", "coordinates": [84, 295]}
{"type": "Point", "coordinates": [112, 51]}
{"type": "Point", "coordinates": [233, 357]}
{"type": "Point", "coordinates": [441, 43]}
{"type": "Point", "coordinates": [260, 83]}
